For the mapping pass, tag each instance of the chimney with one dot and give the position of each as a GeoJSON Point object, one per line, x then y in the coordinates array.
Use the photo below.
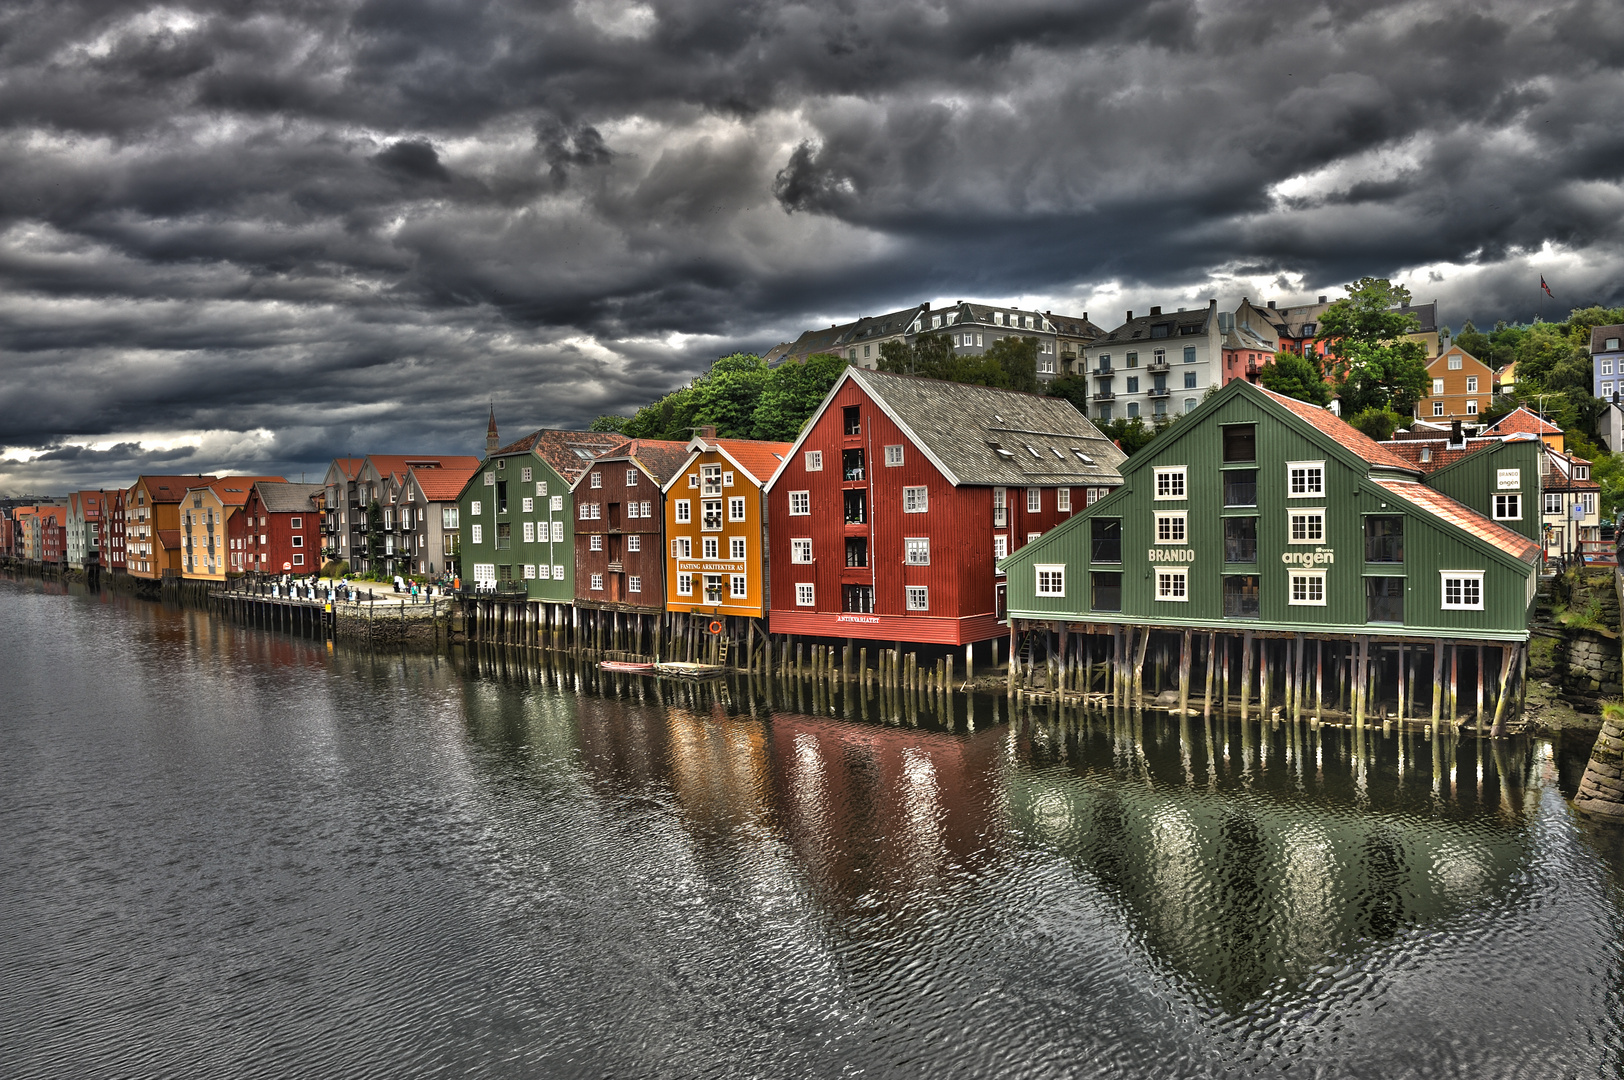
{"type": "Point", "coordinates": [926, 305]}
{"type": "Point", "coordinates": [1155, 311]}
{"type": "Point", "coordinates": [492, 442]}
{"type": "Point", "coordinates": [1321, 300]}
{"type": "Point", "coordinates": [1457, 438]}
{"type": "Point", "coordinates": [706, 432]}
{"type": "Point", "coordinates": [1085, 316]}
{"type": "Point", "coordinates": [1130, 316]}
{"type": "Point", "coordinates": [1271, 305]}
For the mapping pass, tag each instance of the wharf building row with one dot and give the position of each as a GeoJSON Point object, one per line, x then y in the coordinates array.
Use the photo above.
{"type": "Point", "coordinates": [883, 521]}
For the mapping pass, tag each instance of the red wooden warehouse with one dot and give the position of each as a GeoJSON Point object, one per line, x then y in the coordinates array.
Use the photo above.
{"type": "Point", "coordinates": [620, 527]}
{"type": "Point", "coordinates": [887, 518]}
{"type": "Point", "coordinates": [278, 530]}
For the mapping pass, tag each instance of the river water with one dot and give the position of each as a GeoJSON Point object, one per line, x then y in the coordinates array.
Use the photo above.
{"type": "Point", "coordinates": [226, 852]}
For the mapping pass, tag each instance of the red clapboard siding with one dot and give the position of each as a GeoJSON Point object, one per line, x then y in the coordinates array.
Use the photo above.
{"type": "Point", "coordinates": [647, 563]}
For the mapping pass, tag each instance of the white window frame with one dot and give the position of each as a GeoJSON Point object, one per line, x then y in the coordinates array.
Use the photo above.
{"type": "Point", "coordinates": [1034, 500]}
{"type": "Point", "coordinates": [1178, 518]}
{"type": "Point", "coordinates": [915, 500]}
{"type": "Point", "coordinates": [477, 534]}
{"type": "Point", "coordinates": [1455, 363]}
{"type": "Point", "coordinates": [541, 489]}
{"type": "Point", "coordinates": [474, 510]}
{"type": "Point", "coordinates": [682, 547]}
{"type": "Point", "coordinates": [634, 583]}
{"type": "Point", "coordinates": [1063, 500]}
{"type": "Point", "coordinates": [916, 597]}
{"type": "Point", "coordinates": [1437, 387]}
{"type": "Point", "coordinates": [596, 583]}
{"type": "Point", "coordinates": [544, 572]}
{"type": "Point", "coordinates": [558, 572]}
{"type": "Point", "coordinates": [1471, 408]}
{"type": "Point", "coordinates": [558, 532]}
{"type": "Point", "coordinates": [800, 549]}
{"type": "Point", "coordinates": [738, 586]}
{"type": "Point", "coordinates": [736, 547]}
{"type": "Point", "coordinates": [800, 503]}
{"type": "Point", "coordinates": [1000, 547]}
{"type": "Point", "coordinates": [684, 511]}
{"type": "Point", "coordinates": [1550, 498]}
{"type": "Point", "coordinates": [1049, 579]}
{"type": "Point", "coordinates": [893, 453]}
{"type": "Point", "coordinates": [1471, 384]}
{"type": "Point", "coordinates": [804, 594]}
{"type": "Point", "coordinates": [530, 571]}
{"type": "Point", "coordinates": [527, 504]}
{"type": "Point", "coordinates": [634, 543]}
{"type": "Point", "coordinates": [1462, 576]}
{"type": "Point", "coordinates": [631, 477]}
{"type": "Point", "coordinates": [530, 532]}
{"type": "Point", "coordinates": [1166, 579]}
{"type": "Point", "coordinates": [597, 479]}
{"type": "Point", "coordinates": [814, 461]}
{"type": "Point", "coordinates": [1172, 483]}
{"type": "Point", "coordinates": [1589, 500]}
{"type": "Point", "coordinates": [1306, 577]}
{"type": "Point", "coordinates": [1305, 514]}
{"type": "Point", "coordinates": [709, 548]}
{"type": "Point", "coordinates": [1311, 470]}
{"type": "Point", "coordinates": [595, 543]}
{"type": "Point", "coordinates": [1437, 408]}
{"type": "Point", "coordinates": [1500, 499]}
{"type": "Point", "coordinates": [685, 584]}
{"type": "Point", "coordinates": [916, 550]}
{"type": "Point", "coordinates": [556, 503]}
{"type": "Point", "coordinates": [735, 508]}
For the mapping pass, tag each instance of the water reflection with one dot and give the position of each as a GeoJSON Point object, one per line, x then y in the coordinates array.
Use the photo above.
{"type": "Point", "coordinates": [339, 862]}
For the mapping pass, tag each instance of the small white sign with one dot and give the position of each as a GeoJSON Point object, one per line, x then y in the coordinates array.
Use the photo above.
{"type": "Point", "coordinates": [1508, 479]}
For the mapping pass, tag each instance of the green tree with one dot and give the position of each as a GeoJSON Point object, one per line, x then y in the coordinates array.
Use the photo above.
{"type": "Point", "coordinates": [1074, 388]}
{"type": "Point", "coordinates": [791, 394]}
{"type": "Point", "coordinates": [1475, 342]}
{"type": "Point", "coordinates": [374, 534]}
{"type": "Point", "coordinates": [1132, 435]}
{"type": "Point", "coordinates": [1549, 356]}
{"type": "Point", "coordinates": [726, 396]}
{"type": "Point", "coordinates": [1364, 336]}
{"type": "Point", "coordinates": [1009, 363]}
{"type": "Point", "coordinates": [1018, 359]}
{"type": "Point", "coordinates": [1378, 423]}
{"type": "Point", "coordinates": [610, 422]}
{"type": "Point", "coordinates": [1296, 377]}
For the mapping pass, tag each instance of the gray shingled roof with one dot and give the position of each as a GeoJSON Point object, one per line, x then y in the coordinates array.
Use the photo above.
{"type": "Point", "coordinates": [1179, 324]}
{"type": "Point", "coordinates": [570, 453]}
{"type": "Point", "coordinates": [287, 498]}
{"type": "Point", "coordinates": [978, 435]}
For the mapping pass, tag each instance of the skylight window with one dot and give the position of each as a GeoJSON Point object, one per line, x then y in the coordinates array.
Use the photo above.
{"type": "Point", "coordinates": [1033, 451]}
{"type": "Point", "coordinates": [1007, 455]}
{"type": "Point", "coordinates": [1084, 458]}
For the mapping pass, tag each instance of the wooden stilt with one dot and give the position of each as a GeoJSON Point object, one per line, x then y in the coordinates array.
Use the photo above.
{"type": "Point", "coordinates": [1139, 669]}
{"type": "Point", "coordinates": [1454, 674]}
{"type": "Point", "coordinates": [1401, 674]}
{"type": "Point", "coordinates": [1437, 683]}
{"type": "Point", "coordinates": [1184, 672]}
{"type": "Point", "coordinates": [1507, 658]}
{"type": "Point", "coordinates": [1319, 680]}
{"type": "Point", "coordinates": [1223, 694]}
{"type": "Point", "coordinates": [1246, 672]}
{"type": "Point", "coordinates": [1479, 720]}
{"type": "Point", "coordinates": [1212, 658]}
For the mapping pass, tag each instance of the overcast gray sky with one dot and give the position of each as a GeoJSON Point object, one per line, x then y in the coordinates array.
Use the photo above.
{"type": "Point", "coordinates": [255, 235]}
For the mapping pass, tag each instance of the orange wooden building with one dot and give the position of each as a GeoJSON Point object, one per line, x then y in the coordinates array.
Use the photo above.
{"type": "Point", "coordinates": [152, 525]}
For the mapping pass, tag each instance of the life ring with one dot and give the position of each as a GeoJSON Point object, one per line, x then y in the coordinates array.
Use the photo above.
{"type": "Point", "coordinates": [716, 626]}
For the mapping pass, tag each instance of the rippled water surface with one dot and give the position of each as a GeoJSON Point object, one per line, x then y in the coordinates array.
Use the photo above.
{"type": "Point", "coordinates": [231, 853]}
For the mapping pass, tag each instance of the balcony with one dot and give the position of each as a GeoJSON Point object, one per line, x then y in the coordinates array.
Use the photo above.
{"type": "Point", "coordinates": [1104, 372]}
{"type": "Point", "coordinates": [852, 476]}
{"type": "Point", "coordinates": [1157, 366]}
{"type": "Point", "coordinates": [1159, 392]}
{"type": "Point", "coordinates": [1105, 395]}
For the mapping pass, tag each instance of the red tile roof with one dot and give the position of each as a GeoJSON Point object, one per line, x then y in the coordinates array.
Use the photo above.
{"type": "Point", "coordinates": [660, 458]}
{"type": "Point", "coordinates": [559, 449]}
{"type": "Point", "coordinates": [759, 459]}
{"type": "Point", "coordinates": [1442, 453]}
{"type": "Point", "coordinates": [395, 465]}
{"type": "Point", "coordinates": [233, 490]}
{"type": "Point", "coordinates": [1522, 420]}
{"type": "Point", "coordinates": [1464, 517]}
{"type": "Point", "coordinates": [169, 538]}
{"type": "Point", "coordinates": [1350, 438]}
{"type": "Point", "coordinates": [171, 489]}
{"type": "Point", "coordinates": [350, 466]}
{"type": "Point", "coordinates": [444, 484]}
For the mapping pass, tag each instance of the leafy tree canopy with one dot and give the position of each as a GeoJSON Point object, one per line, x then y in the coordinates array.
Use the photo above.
{"type": "Point", "coordinates": [1378, 423]}
{"type": "Point", "coordinates": [610, 422]}
{"type": "Point", "coordinates": [742, 398]}
{"type": "Point", "coordinates": [1132, 435]}
{"type": "Point", "coordinates": [1364, 336]}
{"type": "Point", "coordinates": [1296, 377]}
{"type": "Point", "coordinates": [1009, 363]}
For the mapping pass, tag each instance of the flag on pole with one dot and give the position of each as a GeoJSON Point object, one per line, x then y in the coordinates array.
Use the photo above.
{"type": "Point", "coordinates": [1546, 287]}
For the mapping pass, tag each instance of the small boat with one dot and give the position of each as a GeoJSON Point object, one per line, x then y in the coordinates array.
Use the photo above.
{"type": "Point", "coordinates": [680, 670]}
{"type": "Point", "coordinates": [626, 665]}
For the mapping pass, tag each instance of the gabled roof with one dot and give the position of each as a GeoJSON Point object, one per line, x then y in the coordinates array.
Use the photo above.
{"type": "Point", "coordinates": [893, 323]}
{"type": "Point", "coordinates": [1075, 326]}
{"type": "Point", "coordinates": [1463, 517]}
{"type": "Point", "coordinates": [442, 485]}
{"type": "Point", "coordinates": [661, 459]}
{"type": "Point", "coordinates": [233, 490]}
{"type": "Point", "coordinates": [1600, 334]}
{"type": "Point", "coordinates": [1344, 434]}
{"type": "Point", "coordinates": [812, 341]}
{"type": "Point", "coordinates": [1520, 419]}
{"type": "Point", "coordinates": [758, 460]}
{"type": "Point", "coordinates": [169, 538]}
{"type": "Point", "coordinates": [349, 466]}
{"type": "Point", "coordinates": [280, 497]}
{"type": "Point", "coordinates": [570, 453]}
{"type": "Point", "coordinates": [394, 466]}
{"type": "Point", "coordinates": [979, 435]}
{"type": "Point", "coordinates": [171, 489]}
{"type": "Point", "coordinates": [1561, 466]}
{"type": "Point", "coordinates": [1455, 350]}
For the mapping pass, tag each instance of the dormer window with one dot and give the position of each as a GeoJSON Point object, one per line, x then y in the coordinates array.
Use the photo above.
{"type": "Point", "coordinates": [1160, 330]}
{"type": "Point", "coordinates": [1581, 472]}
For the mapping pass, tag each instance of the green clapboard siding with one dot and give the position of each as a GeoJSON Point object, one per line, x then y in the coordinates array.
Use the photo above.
{"type": "Point", "coordinates": [1196, 443]}
{"type": "Point", "coordinates": [1474, 480]}
{"type": "Point", "coordinates": [541, 552]}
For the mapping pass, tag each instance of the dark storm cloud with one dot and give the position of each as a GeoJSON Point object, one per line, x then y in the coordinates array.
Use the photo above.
{"type": "Point", "coordinates": [264, 234]}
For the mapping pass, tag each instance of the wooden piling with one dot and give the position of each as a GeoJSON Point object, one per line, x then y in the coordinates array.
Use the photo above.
{"type": "Point", "coordinates": [1246, 673]}
{"type": "Point", "coordinates": [1507, 655]}
{"type": "Point", "coordinates": [1212, 656]}
{"type": "Point", "coordinates": [1184, 672]}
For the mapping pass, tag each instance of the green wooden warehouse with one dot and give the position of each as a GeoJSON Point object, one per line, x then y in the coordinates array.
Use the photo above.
{"type": "Point", "coordinates": [1266, 548]}
{"type": "Point", "coordinates": [517, 528]}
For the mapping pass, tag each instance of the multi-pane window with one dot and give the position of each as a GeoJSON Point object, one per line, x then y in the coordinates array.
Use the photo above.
{"type": "Point", "coordinates": [685, 584]}
{"type": "Point", "coordinates": [525, 474]}
{"type": "Point", "coordinates": [1189, 354]}
{"type": "Point", "coordinates": [1170, 483]}
{"type": "Point", "coordinates": [596, 543]}
{"type": "Point", "coordinates": [814, 461]}
{"type": "Point", "coordinates": [685, 510]}
{"type": "Point", "coordinates": [1063, 500]}
{"type": "Point", "coordinates": [708, 548]}
{"type": "Point", "coordinates": [682, 548]}
{"type": "Point", "coordinates": [1508, 507]}
{"type": "Point", "coordinates": [1241, 596]}
{"type": "Point", "coordinates": [558, 532]}
{"type": "Point", "coordinates": [735, 547]}
{"type": "Point", "coordinates": [1307, 527]}
{"type": "Point", "coordinates": [1437, 387]}
{"type": "Point", "coordinates": [738, 586]}
{"type": "Point", "coordinates": [597, 581]}
{"type": "Point", "coordinates": [556, 503]}
{"type": "Point", "coordinates": [1463, 589]}
{"type": "Point", "coordinates": [1051, 579]}
{"type": "Point", "coordinates": [544, 572]}
{"type": "Point", "coordinates": [1000, 547]}
{"type": "Point", "coordinates": [1170, 528]}
{"type": "Point", "coordinates": [1553, 502]}
{"type": "Point", "coordinates": [634, 583]}
{"type": "Point", "coordinates": [735, 508]}
{"type": "Point", "coordinates": [1471, 384]}
{"type": "Point", "coordinates": [530, 532]}
{"type": "Point", "coordinates": [1305, 479]}
{"type": "Point", "coordinates": [916, 551]}
{"type": "Point", "coordinates": [1588, 498]}
{"type": "Point", "coordinates": [529, 570]}
{"type": "Point", "coordinates": [803, 594]}
{"type": "Point", "coordinates": [800, 551]}
{"type": "Point", "coordinates": [1240, 539]}
{"type": "Point", "coordinates": [634, 543]}
{"type": "Point", "coordinates": [915, 500]}
{"type": "Point", "coordinates": [710, 479]}
{"type": "Point", "coordinates": [1307, 588]}
{"type": "Point", "coordinates": [800, 503]}
{"type": "Point", "coordinates": [1172, 584]}
{"type": "Point", "coordinates": [710, 515]}
{"type": "Point", "coordinates": [597, 482]}
{"type": "Point", "coordinates": [918, 598]}
{"type": "Point", "coordinates": [893, 454]}
{"type": "Point", "coordinates": [1454, 363]}
{"type": "Point", "coordinates": [541, 489]}
{"type": "Point", "coordinates": [1034, 500]}
{"type": "Point", "coordinates": [1437, 408]}
{"type": "Point", "coordinates": [527, 504]}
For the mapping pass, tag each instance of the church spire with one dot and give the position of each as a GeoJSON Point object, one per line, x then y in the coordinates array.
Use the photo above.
{"type": "Point", "coordinates": [492, 443]}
